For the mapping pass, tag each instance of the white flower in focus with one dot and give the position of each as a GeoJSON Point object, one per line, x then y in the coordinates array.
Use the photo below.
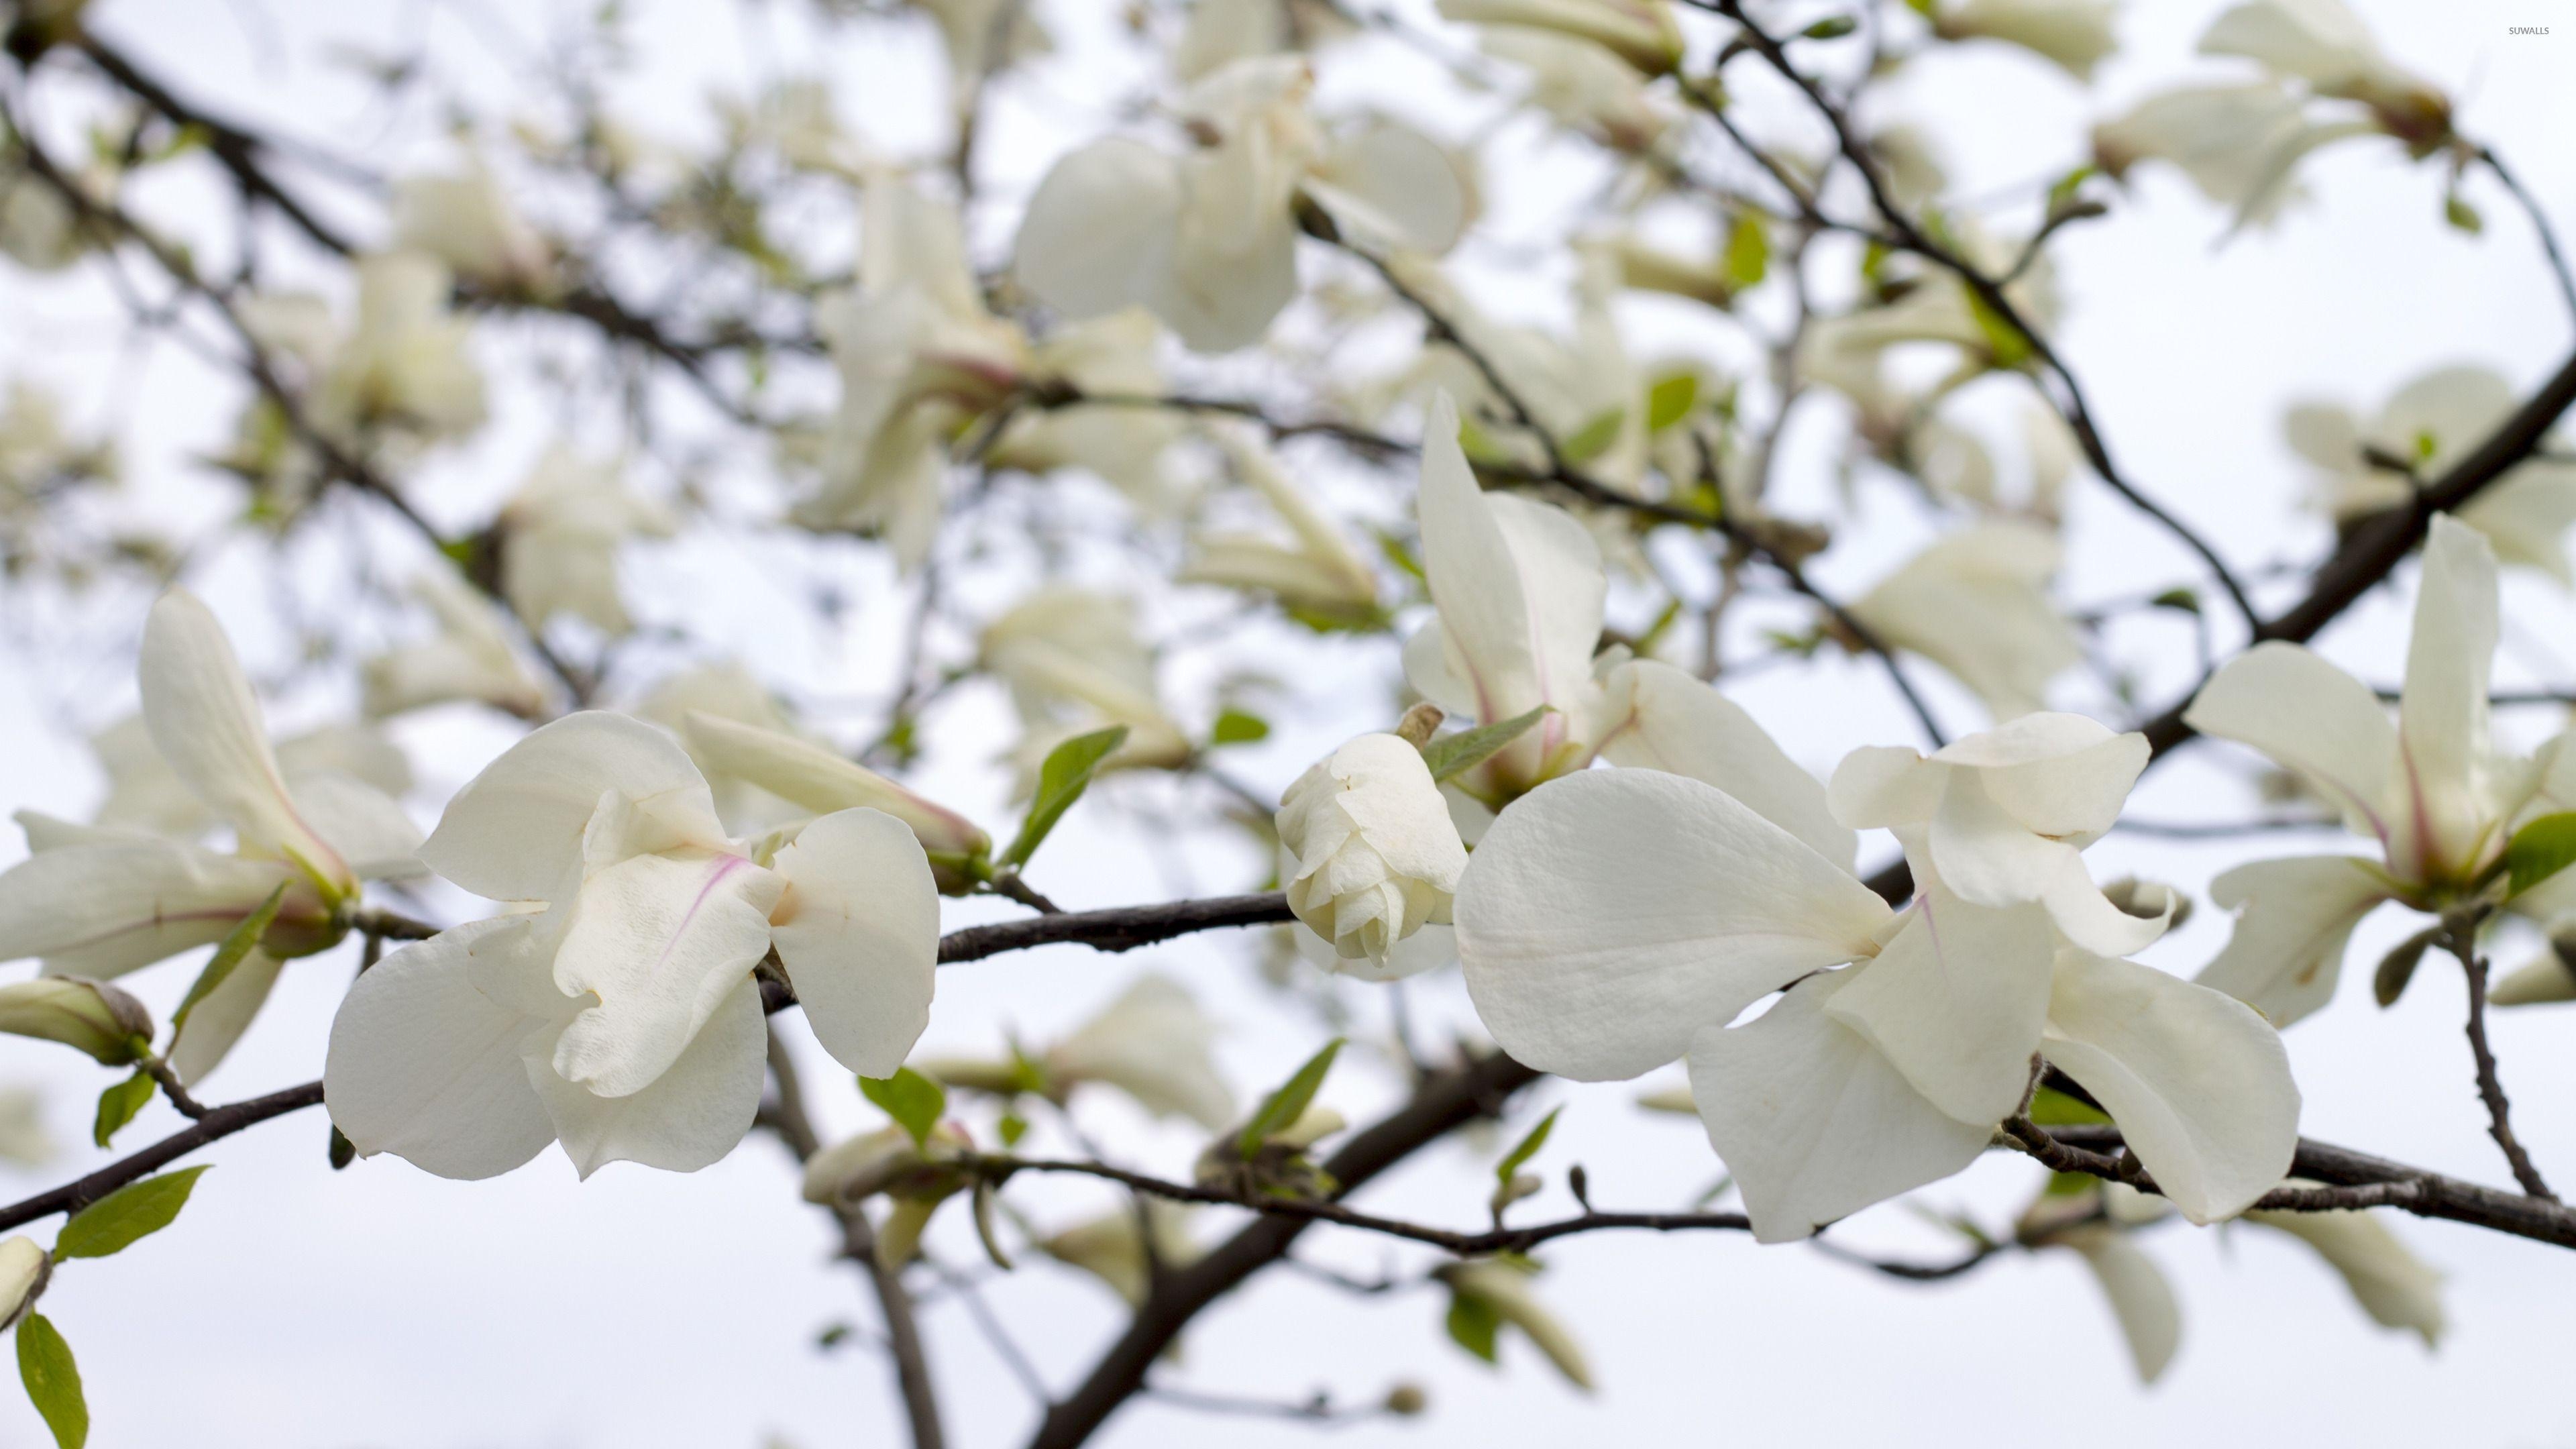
{"type": "Point", "coordinates": [2392, 1285]}
{"type": "Point", "coordinates": [2427, 427]}
{"type": "Point", "coordinates": [1320, 574]}
{"type": "Point", "coordinates": [1073, 663]}
{"type": "Point", "coordinates": [2073, 35]}
{"type": "Point", "coordinates": [559, 538]}
{"type": "Point", "coordinates": [1207, 241]}
{"type": "Point", "coordinates": [1154, 1044]}
{"type": "Point", "coordinates": [471, 656]}
{"type": "Point", "coordinates": [1612, 921]}
{"type": "Point", "coordinates": [1642, 33]}
{"type": "Point", "coordinates": [617, 1012]}
{"type": "Point", "coordinates": [467, 221]}
{"type": "Point", "coordinates": [1376, 856]}
{"type": "Point", "coordinates": [1976, 603]}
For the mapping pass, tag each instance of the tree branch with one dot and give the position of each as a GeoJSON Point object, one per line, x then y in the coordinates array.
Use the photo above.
{"type": "Point", "coordinates": [2461, 938]}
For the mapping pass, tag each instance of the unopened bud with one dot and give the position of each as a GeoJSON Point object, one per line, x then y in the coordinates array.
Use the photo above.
{"type": "Point", "coordinates": [1407, 1399]}
{"type": "Point", "coordinates": [78, 1012]}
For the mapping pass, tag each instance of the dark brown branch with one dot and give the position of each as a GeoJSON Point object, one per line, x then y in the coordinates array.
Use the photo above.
{"type": "Point", "coordinates": [1122, 928]}
{"type": "Point", "coordinates": [219, 1122]}
{"type": "Point", "coordinates": [2461, 938]}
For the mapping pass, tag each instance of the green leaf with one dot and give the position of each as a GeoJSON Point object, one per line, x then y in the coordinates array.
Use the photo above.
{"type": "Point", "coordinates": [1832, 27]}
{"type": "Point", "coordinates": [1528, 1148]}
{"type": "Point", "coordinates": [1283, 1107]}
{"type": "Point", "coordinates": [2053, 1108]}
{"type": "Point", "coordinates": [235, 948]}
{"type": "Point", "coordinates": [2540, 850]}
{"type": "Point", "coordinates": [2397, 968]}
{"type": "Point", "coordinates": [914, 1101]}
{"type": "Point", "coordinates": [2462, 215]}
{"type": "Point", "coordinates": [1394, 551]}
{"type": "Point", "coordinates": [2007, 344]}
{"type": "Point", "coordinates": [1748, 251]}
{"type": "Point", "coordinates": [1012, 1128]}
{"type": "Point", "coordinates": [1061, 781]}
{"type": "Point", "coordinates": [1473, 1324]}
{"type": "Point", "coordinates": [1670, 399]}
{"type": "Point", "coordinates": [2070, 1184]}
{"type": "Point", "coordinates": [118, 1104]}
{"type": "Point", "coordinates": [53, 1381]}
{"type": "Point", "coordinates": [1595, 436]}
{"type": "Point", "coordinates": [1238, 727]}
{"type": "Point", "coordinates": [2180, 600]}
{"type": "Point", "coordinates": [113, 1223]}
{"type": "Point", "coordinates": [1453, 755]}
{"type": "Point", "coordinates": [2065, 187]}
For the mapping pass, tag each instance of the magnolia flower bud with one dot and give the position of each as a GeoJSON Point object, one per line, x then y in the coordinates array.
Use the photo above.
{"type": "Point", "coordinates": [24, 1269]}
{"type": "Point", "coordinates": [1376, 855]}
{"type": "Point", "coordinates": [78, 1012]}
{"type": "Point", "coordinates": [1407, 1399]}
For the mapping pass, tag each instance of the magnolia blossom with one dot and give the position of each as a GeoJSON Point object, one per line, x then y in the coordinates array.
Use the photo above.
{"type": "Point", "coordinates": [2392, 1285]}
{"type": "Point", "coordinates": [559, 539]}
{"type": "Point", "coordinates": [466, 220]}
{"type": "Point", "coordinates": [1375, 854]}
{"type": "Point", "coordinates": [1585, 87]}
{"type": "Point", "coordinates": [2141, 1300]}
{"type": "Point", "coordinates": [2074, 35]}
{"type": "Point", "coordinates": [2238, 142]}
{"type": "Point", "coordinates": [1642, 33]}
{"type": "Point", "coordinates": [2432, 789]}
{"type": "Point", "coordinates": [1154, 1044]}
{"type": "Point", "coordinates": [1220, 32]}
{"type": "Point", "coordinates": [2427, 427]}
{"type": "Point", "coordinates": [728, 692]}
{"type": "Point", "coordinates": [99, 901]}
{"type": "Point", "coordinates": [24, 1268]}
{"type": "Point", "coordinates": [1976, 603]}
{"type": "Point", "coordinates": [1074, 663]}
{"type": "Point", "coordinates": [1613, 921]}
{"type": "Point", "coordinates": [616, 1010]}
{"type": "Point", "coordinates": [145, 793]}
{"type": "Point", "coordinates": [402, 370]}
{"type": "Point", "coordinates": [1207, 241]}
{"type": "Point", "coordinates": [1320, 574]}
{"type": "Point", "coordinates": [819, 782]}
{"type": "Point", "coordinates": [39, 453]}
{"type": "Point", "coordinates": [984, 37]}
{"type": "Point", "coordinates": [2323, 44]}
{"type": "Point", "coordinates": [471, 656]}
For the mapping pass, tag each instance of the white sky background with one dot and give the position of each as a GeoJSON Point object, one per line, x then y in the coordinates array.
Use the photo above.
{"type": "Point", "coordinates": [293, 1306]}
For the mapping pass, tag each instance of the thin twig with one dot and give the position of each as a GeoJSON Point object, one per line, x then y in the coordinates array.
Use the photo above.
{"type": "Point", "coordinates": [2461, 939]}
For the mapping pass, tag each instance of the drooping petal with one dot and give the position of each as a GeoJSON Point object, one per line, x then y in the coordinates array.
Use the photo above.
{"type": "Point", "coordinates": [104, 909]}
{"type": "Point", "coordinates": [1675, 722]}
{"type": "Point", "coordinates": [2056, 774]}
{"type": "Point", "coordinates": [660, 941]}
{"type": "Point", "coordinates": [2294, 917]}
{"type": "Point", "coordinates": [2199, 1084]}
{"type": "Point", "coordinates": [1098, 233]}
{"type": "Point", "coordinates": [2311, 717]}
{"type": "Point", "coordinates": [2442, 725]}
{"type": "Point", "coordinates": [858, 930]}
{"type": "Point", "coordinates": [1955, 1002]}
{"type": "Point", "coordinates": [219, 1019]}
{"type": "Point", "coordinates": [1814, 1124]}
{"type": "Point", "coordinates": [1388, 186]}
{"type": "Point", "coordinates": [2396, 1288]}
{"type": "Point", "coordinates": [688, 1117]}
{"type": "Point", "coordinates": [1608, 916]}
{"type": "Point", "coordinates": [1154, 1044]}
{"type": "Point", "coordinates": [206, 724]}
{"type": "Point", "coordinates": [2140, 1298]}
{"type": "Point", "coordinates": [368, 827]}
{"type": "Point", "coordinates": [426, 1067]}
{"type": "Point", "coordinates": [514, 833]}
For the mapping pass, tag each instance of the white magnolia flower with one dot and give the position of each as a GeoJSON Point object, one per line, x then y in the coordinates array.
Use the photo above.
{"type": "Point", "coordinates": [1976, 603]}
{"type": "Point", "coordinates": [145, 793]}
{"type": "Point", "coordinates": [1154, 1044]}
{"type": "Point", "coordinates": [2141, 1300]}
{"type": "Point", "coordinates": [1320, 574]}
{"type": "Point", "coordinates": [2074, 35]}
{"type": "Point", "coordinates": [617, 1012]}
{"type": "Point", "coordinates": [38, 453]}
{"type": "Point", "coordinates": [1613, 921]}
{"type": "Point", "coordinates": [559, 538]}
{"type": "Point", "coordinates": [2322, 43]}
{"type": "Point", "coordinates": [1073, 663]}
{"type": "Point", "coordinates": [471, 656]}
{"type": "Point", "coordinates": [402, 372]}
{"type": "Point", "coordinates": [466, 220]}
{"type": "Point", "coordinates": [1374, 856]}
{"type": "Point", "coordinates": [816, 781]}
{"type": "Point", "coordinates": [2432, 789]}
{"type": "Point", "coordinates": [2428, 426]}
{"type": "Point", "coordinates": [727, 692]}
{"type": "Point", "coordinates": [1584, 87]}
{"type": "Point", "coordinates": [1207, 241]}
{"type": "Point", "coordinates": [2239, 143]}
{"type": "Point", "coordinates": [2396, 1288]}
{"type": "Point", "coordinates": [2004, 817]}
{"type": "Point", "coordinates": [1642, 33]}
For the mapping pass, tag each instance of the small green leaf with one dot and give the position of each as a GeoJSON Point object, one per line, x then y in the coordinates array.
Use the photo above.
{"type": "Point", "coordinates": [1238, 727]}
{"type": "Point", "coordinates": [1670, 399]}
{"type": "Point", "coordinates": [2180, 600]}
{"type": "Point", "coordinates": [2070, 1184]}
{"type": "Point", "coordinates": [1285, 1106]}
{"type": "Point", "coordinates": [2053, 1108]}
{"type": "Point", "coordinates": [236, 946]}
{"type": "Point", "coordinates": [343, 1151]}
{"type": "Point", "coordinates": [914, 1101]}
{"type": "Point", "coordinates": [2540, 850]}
{"type": "Point", "coordinates": [1012, 1127]}
{"type": "Point", "coordinates": [1595, 436]}
{"type": "Point", "coordinates": [1453, 755]}
{"type": "Point", "coordinates": [1528, 1148]}
{"type": "Point", "coordinates": [2397, 968]}
{"type": "Point", "coordinates": [118, 1104]}
{"type": "Point", "coordinates": [2006, 344]}
{"type": "Point", "coordinates": [2065, 187]}
{"type": "Point", "coordinates": [1061, 781]}
{"type": "Point", "coordinates": [1473, 1324]}
{"type": "Point", "coordinates": [138, 1210]}
{"type": "Point", "coordinates": [1748, 251]}
{"type": "Point", "coordinates": [53, 1381]}
{"type": "Point", "coordinates": [1832, 27]}
{"type": "Point", "coordinates": [1394, 551]}
{"type": "Point", "coordinates": [2462, 215]}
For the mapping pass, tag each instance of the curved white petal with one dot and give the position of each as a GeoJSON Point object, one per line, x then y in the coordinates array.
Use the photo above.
{"type": "Point", "coordinates": [2396, 1288]}
{"type": "Point", "coordinates": [424, 1066]}
{"type": "Point", "coordinates": [688, 1117]}
{"type": "Point", "coordinates": [2442, 724]}
{"type": "Point", "coordinates": [2199, 1084]}
{"type": "Point", "coordinates": [1981, 851]}
{"type": "Point", "coordinates": [1812, 1121]}
{"type": "Point", "coordinates": [368, 827]}
{"type": "Point", "coordinates": [660, 941]}
{"type": "Point", "coordinates": [2293, 918]}
{"type": "Point", "coordinates": [858, 930]}
{"type": "Point", "coordinates": [1389, 187]}
{"type": "Point", "coordinates": [219, 1019]}
{"type": "Point", "coordinates": [1154, 1044]}
{"type": "Point", "coordinates": [1610, 915]}
{"type": "Point", "coordinates": [1955, 1002]}
{"type": "Point", "coordinates": [2057, 774]}
{"type": "Point", "coordinates": [104, 909]}
{"type": "Point", "coordinates": [2139, 1296]}
{"type": "Point", "coordinates": [514, 833]}
{"type": "Point", "coordinates": [1885, 785]}
{"type": "Point", "coordinates": [1427, 949]}
{"type": "Point", "coordinates": [1098, 233]}
{"type": "Point", "coordinates": [2311, 717]}
{"type": "Point", "coordinates": [1676, 722]}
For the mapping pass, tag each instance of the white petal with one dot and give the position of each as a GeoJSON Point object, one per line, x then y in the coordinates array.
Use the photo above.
{"type": "Point", "coordinates": [1993, 859]}
{"type": "Point", "coordinates": [1098, 233]}
{"type": "Point", "coordinates": [2198, 1083]}
{"type": "Point", "coordinates": [1610, 915]}
{"type": "Point", "coordinates": [661, 941]}
{"type": "Point", "coordinates": [2058, 774]}
{"type": "Point", "coordinates": [1812, 1121]}
{"type": "Point", "coordinates": [207, 725]}
{"type": "Point", "coordinates": [514, 832]}
{"type": "Point", "coordinates": [368, 827]}
{"type": "Point", "coordinates": [688, 1117]}
{"type": "Point", "coordinates": [1154, 1044]}
{"type": "Point", "coordinates": [1955, 1001]}
{"type": "Point", "coordinates": [807, 774]}
{"type": "Point", "coordinates": [2310, 716]}
{"type": "Point", "coordinates": [1677, 723]}
{"type": "Point", "coordinates": [1885, 785]}
{"type": "Point", "coordinates": [2442, 722]}
{"type": "Point", "coordinates": [104, 909]}
{"type": "Point", "coordinates": [2396, 1288]}
{"type": "Point", "coordinates": [2140, 1297]}
{"type": "Point", "coordinates": [858, 930]}
{"type": "Point", "coordinates": [2294, 917]}
{"type": "Point", "coordinates": [1389, 187]}
{"type": "Point", "coordinates": [426, 1067]}
{"type": "Point", "coordinates": [218, 1020]}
